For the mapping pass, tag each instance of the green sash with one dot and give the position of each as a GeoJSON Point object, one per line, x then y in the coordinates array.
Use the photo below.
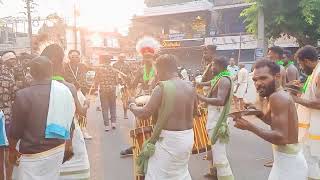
{"type": "Point", "coordinates": [280, 62]}
{"type": "Point", "coordinates": [221, 130]}
{"type": "Point", "coordinates": [224, 73]}
{"type": "Point", "coordinates": [289, 63]}
{"type": "Point", "coordinates": [148, 147]}
{"type": "Point", "coordinates": [306, 84]}
{"type": "Point", "coordinates": [148, 76]}
{"type": "Point", "coordinates": [57, 78]}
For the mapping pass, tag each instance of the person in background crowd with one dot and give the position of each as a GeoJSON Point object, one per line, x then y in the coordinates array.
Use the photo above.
{"type": "Point", "coordinates": [209, 52]}
{"type": "Point", "coordinates": [250, 96]}
{"type": "Point", "coordinates": [184, 74]}
{"type": "Point", "coordinates": [292, 72]}
{"type": "Point", "coordinates": [242, 86]}
{"type": "Point", "coordinates": [8, 89]}
{"type": "Point", "coordinates": [233, 68]}
{"type": "Point", "coordinates": [75, 73]}
{"type": "Point", "coordinates": [275, 54]}
{"type": "Point", "coordinates": [309, 109]}
{"type": "Point", "coordinates": [15, 67]}
{"type": "Point", "coordinates": [124, 81]}
{"type": "Point", "coordinates": [106, 77]}
{"type": "Point", "coordinates": [281, 115]}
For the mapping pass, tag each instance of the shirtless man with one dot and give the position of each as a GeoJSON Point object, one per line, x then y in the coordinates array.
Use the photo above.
{"type": "Point", "coordinates": [209, 53]}
{"type": "Point", "coordinates": [78, 166]}
{"type": "Point", "coordinates": [147, 47]}
{"type": "Point", "coordinates": [309, 109]}
{"type": "Point", "coordinates": [281, 115]}
{"type": "Point", "coordinates": [176, 133]}
{"type": "Point", "coordinates": [292, 72]}
{"type": "Point", "coordinates": [275, 54]}
{"type": "Point", "coordinates": [219, 98]}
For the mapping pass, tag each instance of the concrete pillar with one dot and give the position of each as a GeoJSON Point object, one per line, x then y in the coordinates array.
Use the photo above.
{"type": "Point", "coordinates": [262, 43]}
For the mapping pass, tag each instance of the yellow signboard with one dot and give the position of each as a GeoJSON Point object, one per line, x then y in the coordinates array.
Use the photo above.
{"type": "Point", "coordinates": [171, 44]}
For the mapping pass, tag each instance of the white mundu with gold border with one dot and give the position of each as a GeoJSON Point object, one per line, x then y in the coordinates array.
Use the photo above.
{"type": "Point", "coordinates": [309, 128]}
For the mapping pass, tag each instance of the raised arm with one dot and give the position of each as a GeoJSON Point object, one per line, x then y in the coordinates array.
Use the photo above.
{"type": "Point", "coordinates": [151, 107]}
{"type": "Point", "coordinates": [278, 134]}
{"type": "Point", "coordinates": [311, 103]}
{"type": "Point", "coordinates": [222, 94]}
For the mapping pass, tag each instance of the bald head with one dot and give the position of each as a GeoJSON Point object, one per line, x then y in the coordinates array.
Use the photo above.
{"type": "Point", "coordinates": [166, 66]}
{"type": "Point", "coordinates": [41, 68]}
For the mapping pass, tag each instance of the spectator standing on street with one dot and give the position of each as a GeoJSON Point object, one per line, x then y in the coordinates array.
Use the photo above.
{"type": "Point", "coordinates": [106, 78]}
{"type": "Point", "coordinates": [7, 95]}
{"type": "Point", "coordinates": [233, 68]}
{"type": "Point", "coordinates": [242, 86]}
{"type": "Point", "coordinates": [75, 73]}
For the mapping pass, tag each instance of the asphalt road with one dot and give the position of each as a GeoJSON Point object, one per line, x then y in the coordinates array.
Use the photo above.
{"type": "Point", "coordinates": [247, 153]}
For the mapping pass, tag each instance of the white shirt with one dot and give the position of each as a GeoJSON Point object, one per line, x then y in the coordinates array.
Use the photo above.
{"type": "Point", "coordinates": [243, 76]}
{"type": "Point", "coordinates": [233, 69]}
{"type": "Point", "coordinates": [184, 74]}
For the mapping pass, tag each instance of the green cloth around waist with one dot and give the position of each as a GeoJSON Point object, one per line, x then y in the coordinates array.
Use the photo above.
{"type": "Point", "coordinates": [288, 148]}
{"type": "Point", "coordinates": [221, 130]}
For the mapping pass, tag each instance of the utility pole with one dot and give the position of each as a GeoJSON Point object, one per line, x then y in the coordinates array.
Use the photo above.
{"type": "Point", "coordinates": [261, 35]}
{"type": "Point", "coordinates": [75, 31]}
{"type": "Point", "coordinates": [29, 24]}
{"type": "Point", "coordinates": [239, 53]}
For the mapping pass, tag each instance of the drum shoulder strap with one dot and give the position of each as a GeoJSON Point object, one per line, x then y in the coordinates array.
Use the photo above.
{"type": "Point", "coordinates": [167, 103]}
{"type": "Point", "coordinates": [168, 99]}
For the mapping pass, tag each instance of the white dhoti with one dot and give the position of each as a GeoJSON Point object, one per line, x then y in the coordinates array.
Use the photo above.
{"type": "Point", "coordinates": [288, 165]}
{"type": "Point", "coordinates": [78, 167]}
{"type": "Point", "coordinates": [171, 157]}
{"type": "Point", "coordinates": [241, 90]}
{"type": "Point", "coordinates": [219, 153]}
{"type": "Point", "coordinates": [313, 163]}
{"type": "Point", "coordinates": [40, 166]}
{"type": "Point", "coordinates": [251, 94]}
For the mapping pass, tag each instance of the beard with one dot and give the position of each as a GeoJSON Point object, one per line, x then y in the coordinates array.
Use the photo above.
{"type": "Point", "coordinates": [267, 90]}
{"type": "Point", "coordinates": [308, 70]}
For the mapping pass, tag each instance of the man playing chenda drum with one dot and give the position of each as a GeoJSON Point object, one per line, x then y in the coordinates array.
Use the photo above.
{"type": "Point", "coordinates": [289, 162]}
{"type": "Point", "coordinates": [147, 47]}
{"type": "Point", "coordinates": [173, 125]}
{"type": "Point", "coordinates": [219, 102]}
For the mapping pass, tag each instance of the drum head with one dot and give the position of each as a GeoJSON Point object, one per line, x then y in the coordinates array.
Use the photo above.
{"type": "Point", "coordinates": [142, 100]}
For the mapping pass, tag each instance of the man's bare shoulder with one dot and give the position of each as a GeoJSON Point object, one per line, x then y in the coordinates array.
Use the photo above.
{"type": "Point", "coordinates": [225, 81]}
{"type": "Point", "coordinates": [280, 100]}
{"type": "Point", "coordinates": [292, 68]}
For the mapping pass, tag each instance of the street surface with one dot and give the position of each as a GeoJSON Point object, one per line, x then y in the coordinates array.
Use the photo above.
{"type": "Point", "coordinates": [247, 153]}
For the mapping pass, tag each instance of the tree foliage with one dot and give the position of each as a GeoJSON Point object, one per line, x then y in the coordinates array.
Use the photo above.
{"type": "Point", "coordinates": [297, 18]}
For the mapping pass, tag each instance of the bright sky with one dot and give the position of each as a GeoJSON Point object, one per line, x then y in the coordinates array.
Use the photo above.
{"type": "Point", "coordinates": [95, 14]}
